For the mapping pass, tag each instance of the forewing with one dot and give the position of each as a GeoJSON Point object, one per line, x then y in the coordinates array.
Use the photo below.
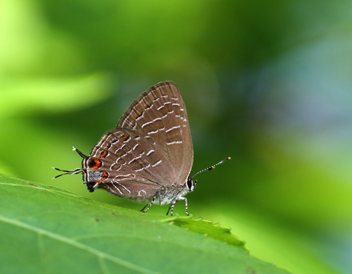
{"type": "Point", "coordinates": [159, 115]}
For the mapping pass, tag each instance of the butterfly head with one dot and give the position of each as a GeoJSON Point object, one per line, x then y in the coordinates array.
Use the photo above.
{"type": "Point", "coordinates": [191, 185]}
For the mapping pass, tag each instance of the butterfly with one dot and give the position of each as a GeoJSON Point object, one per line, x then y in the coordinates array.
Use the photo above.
{"type": "Point", "coordinates": [148, 157]}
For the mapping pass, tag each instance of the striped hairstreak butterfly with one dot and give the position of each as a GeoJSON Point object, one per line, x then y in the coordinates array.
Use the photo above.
{"type": "Point", "coordinates": [148, 157]}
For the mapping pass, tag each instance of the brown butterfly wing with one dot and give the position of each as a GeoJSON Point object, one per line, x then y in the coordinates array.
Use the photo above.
{"type": "Point", "coordinates": [159, 115]}
{"type": "Point", "coordinates": [150, 148]}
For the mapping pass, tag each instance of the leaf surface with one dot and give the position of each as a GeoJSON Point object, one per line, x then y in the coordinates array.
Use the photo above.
{"type": "Point", "coordinates": [48, 230]}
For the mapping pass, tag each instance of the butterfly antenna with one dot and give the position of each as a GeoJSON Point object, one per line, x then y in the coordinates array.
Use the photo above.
{"type": "Point", "coordinates": [211, 167]}
{"type": "Point", "coordinates": [79, 152]}
{"type": "Point", "coordinates": [71, 172]}
{"type": "Point", "coordinates": [67, 172]}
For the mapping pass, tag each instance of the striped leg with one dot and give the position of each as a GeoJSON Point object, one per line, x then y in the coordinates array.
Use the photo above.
{"type": "Point", "coordinates": [151, 203]}
{"type": "Point", "coordinates": [186, 205]}
{"type": "Point", "coordinates": [173, 205]}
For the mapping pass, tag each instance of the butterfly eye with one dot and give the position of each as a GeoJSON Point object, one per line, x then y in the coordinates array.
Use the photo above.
{"type": "Point", "coordinates": [190, 185]}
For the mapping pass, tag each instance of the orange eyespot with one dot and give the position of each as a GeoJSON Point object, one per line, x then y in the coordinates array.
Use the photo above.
{"type": "Point", "coordinates": [104, 175]}
{"type": "Point", "coordinates": [103, 154]}
{"type": "Point", "coordinates": [94, 163]}
{"type": "Point", "coordinates": [125, 137]}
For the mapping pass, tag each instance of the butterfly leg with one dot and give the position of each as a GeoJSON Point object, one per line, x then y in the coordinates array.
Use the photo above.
{"type": "Point", "coordinates": [173, 205]}
{"type": "Point", "coordinates": [186, 205]}
{"type": "Point", "coordinates": [151, 203]}
{"type": "Point", "coordinates": [142, 210]}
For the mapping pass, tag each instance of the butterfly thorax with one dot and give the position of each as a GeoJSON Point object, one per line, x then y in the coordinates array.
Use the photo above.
{"type": "Point", "coordinates": [168, 194]}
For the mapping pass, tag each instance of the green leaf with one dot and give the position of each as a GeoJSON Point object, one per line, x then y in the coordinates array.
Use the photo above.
{"type": "Point", "coordinates": [48, 230]}
{"type": "Point", "coordinates": [208, 229]}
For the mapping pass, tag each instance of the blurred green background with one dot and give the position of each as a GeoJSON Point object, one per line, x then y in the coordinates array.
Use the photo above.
{"type": "Point", "coordinates": [266, 82]}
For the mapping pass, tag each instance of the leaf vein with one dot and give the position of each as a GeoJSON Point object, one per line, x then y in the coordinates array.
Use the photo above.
{"type": "Point", "coordinates": [78, 245]}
